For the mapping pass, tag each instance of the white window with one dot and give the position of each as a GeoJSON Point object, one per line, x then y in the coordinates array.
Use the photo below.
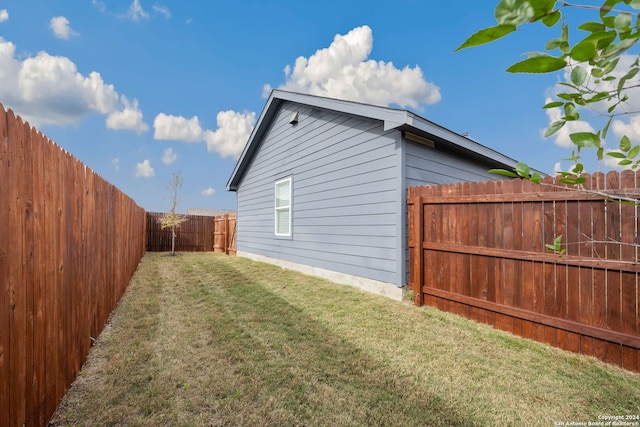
{"type": "Point", "coordinates": [283, 207]}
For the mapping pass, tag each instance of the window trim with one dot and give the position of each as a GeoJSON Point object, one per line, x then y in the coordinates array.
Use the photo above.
{"type": "Point", "coordinates": [277, 208]}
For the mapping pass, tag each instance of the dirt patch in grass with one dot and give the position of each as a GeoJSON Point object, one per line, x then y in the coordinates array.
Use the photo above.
{"type": "Point", "coordinates": [206, 339]}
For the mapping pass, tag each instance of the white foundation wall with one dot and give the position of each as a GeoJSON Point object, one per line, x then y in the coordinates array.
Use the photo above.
{"type": "Point", "coordinates": [376, 287]}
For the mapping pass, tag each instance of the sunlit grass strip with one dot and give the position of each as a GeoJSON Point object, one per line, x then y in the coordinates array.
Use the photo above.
{"type": "Point", "coordinates": [207, 339]}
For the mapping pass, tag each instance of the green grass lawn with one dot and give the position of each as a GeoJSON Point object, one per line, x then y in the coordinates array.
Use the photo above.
{"type": "Point", "coordinates": [204, 339]}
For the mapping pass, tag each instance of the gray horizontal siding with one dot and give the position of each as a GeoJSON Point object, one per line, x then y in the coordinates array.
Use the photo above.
{"type": "Point", "coordinates": [427, 166]}
{"type": "Point", "coordinates": [345, 194]}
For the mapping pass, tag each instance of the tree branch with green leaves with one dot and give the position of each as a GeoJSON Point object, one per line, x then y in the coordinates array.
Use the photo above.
{"type": "Point", "coordinates": [598, 80]}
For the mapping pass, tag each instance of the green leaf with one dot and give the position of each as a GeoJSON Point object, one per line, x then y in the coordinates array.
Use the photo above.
{"type": "Point", "coordinates": [538, 64]}
{"type": "Point", "coordinates": [584, 50]}
{"type": "Point", "coordinates": [625, 162]}
{"type": "Point", "coordinates": [553, 104]}
{"type": "Point", "coordinates": [607, 7]}
{"type": "Point", "coordinates": [578, 168]}
{"type": "Point", "coordinates": [609, 65]}
{"type": "Point", "coordinates": [631, 74]}
{"type": "Point", "coordinates": [554, 127]}
{"type": "Point", "coordinates": [523, 170]}
{"type": "Point", "coordinates": [569, 181]}
{"type": "Point", "coordinates": [609, 21]}
{"type": "Point", "coordinates": [514, 12]}
{"type": "Point", "coordinates": [592, 27]}
{"type": "Point", "coordinates": [603, 39]}
{"type": "Point", "coordinates": [635, 4]}
{"type": "Point", "coordinates": [633, 153]}
{"type": "Point", "coordinates": [552, 19]}
{"type": "Point", "coordinates": [578, 75]}
{"type": "Point", "coordinates": [585, 139]}
{"type": "Point", "coordinates": [616, 155]}
{"type": "Point", "coordinates": [570, 112]}
{"type": "Point", "coordinates": [536, 178]}
{"type": "Point", "coordinates": [625, 144]}
{"type": "Point", "coordinates": [487, 35]}
{"type": "Point", "coordinates": [504, 172]}
{"type": "Point", "coordinates": [597, 72]}
{"type": "Point", "coordinates": [543, 7]}
{"type": "Point", "coordinates": [600, 153]}
{"type": "Point", "coordinates": [605, 129]}
{"type": "Point", "coordinates": [557, 43]}
{"type": "Point", "coordinates": [616, 49]}
{"type": "Point", "coordinates": [623, 21]}
{"type": "Point", "coordinates": [598, 97]}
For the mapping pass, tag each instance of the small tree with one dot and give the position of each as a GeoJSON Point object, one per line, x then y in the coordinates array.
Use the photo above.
{"type": "Point", "coordinates": [173, 219]}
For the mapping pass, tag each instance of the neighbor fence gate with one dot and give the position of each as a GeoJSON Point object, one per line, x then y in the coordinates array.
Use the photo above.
{"type": "Point", "coordinates": [480, 250]}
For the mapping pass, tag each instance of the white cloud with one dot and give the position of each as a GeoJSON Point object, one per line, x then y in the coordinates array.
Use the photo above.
{"type": "Point", "coordinates": [116, 163]}
{"type": "Point", "coordinates": [169, 156]}
{"type": "Point", "coordinates": [136, 12]}
{"type": "Point", "coordinates": [4, 15]}
{"type": "Point", "coordinates": [130, 118]}
{"type": "Point", "coordinates": [163, 10]}
{"type": "Point", "coordinates": [229, 139]}
{"type": "Point", "coordinates": [344, 71]}
{"type": "Point", "coordinates": [631, 130]}
{"type": "Point", "coordinates": [177, 128]}
{"type": "Point", "coordinates": [49, 89]}
{"type": "Point", "coordinates": [99, 5]}
{"type": "Point", "coordinates": [144, 169]}
{"type": "Point", "coordinates": [557, 168]}
{"type": "Point", "coordinates": [232, 134]}
{"type": "Point", "coordinates": [208, 192]}
{"type": "Point", "coordinates": [562, 136]}
{"type": "Point", "coordinates": [61, 28]}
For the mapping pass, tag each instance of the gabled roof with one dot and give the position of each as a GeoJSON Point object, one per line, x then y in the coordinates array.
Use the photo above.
{"type": "Point", "coordinates": [392, 118]}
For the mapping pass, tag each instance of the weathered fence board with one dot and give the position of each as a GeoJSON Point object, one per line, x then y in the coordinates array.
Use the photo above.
{"type": "Point", "coordinates": [478, 250]}
{"type": "Point", "coordinates": [70, 244]}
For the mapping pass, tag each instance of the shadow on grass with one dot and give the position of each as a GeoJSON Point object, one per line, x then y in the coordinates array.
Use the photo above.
{"type": "Point", "coordinates": [298, 372]}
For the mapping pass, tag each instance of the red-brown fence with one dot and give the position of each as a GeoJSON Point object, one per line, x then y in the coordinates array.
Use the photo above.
{"type": "Point", "coordinates": [198, 233]}
{"type": "Point", "coordinates": [225, 234]}
{"type": "Point", "coordinates": [479, 250]}
{"type": "Point", "coordinates": [69, 244]}
{"type": "Point", "coordinates": [195, 234]}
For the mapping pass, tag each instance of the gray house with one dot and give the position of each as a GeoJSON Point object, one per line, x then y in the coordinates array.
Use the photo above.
{"type": "Point", "coordinates": [322, 185]}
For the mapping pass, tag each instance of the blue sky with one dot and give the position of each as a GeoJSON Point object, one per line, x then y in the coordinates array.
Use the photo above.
{"type": "Point", "coordinates": [141, 89]}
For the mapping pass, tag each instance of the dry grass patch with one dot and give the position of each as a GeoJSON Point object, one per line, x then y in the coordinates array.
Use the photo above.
{"type": "Point", "coordinates": [206, 339]}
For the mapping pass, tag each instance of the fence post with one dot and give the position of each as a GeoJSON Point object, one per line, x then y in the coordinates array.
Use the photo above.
{"type": "Point", "coordinates": [226, 234]}
{"type": "Point", "coordinates": [417, 264]}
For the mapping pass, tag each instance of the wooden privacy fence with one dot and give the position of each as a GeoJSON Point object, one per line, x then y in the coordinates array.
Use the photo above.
{"type": "Point", "coordinates": [69, 244]}
{"type": "Point", "coordinates": [478, 250]}
{"type": "Point", "coordinates": [225, 234]}
{"type": "Point", "coordinates": [198, 233]}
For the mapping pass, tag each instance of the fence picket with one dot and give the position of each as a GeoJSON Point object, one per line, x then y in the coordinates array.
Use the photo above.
{"type": "Point", "coordinates": [585, 300]}
{"type": "Point", "coordinates": [54, 285]}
